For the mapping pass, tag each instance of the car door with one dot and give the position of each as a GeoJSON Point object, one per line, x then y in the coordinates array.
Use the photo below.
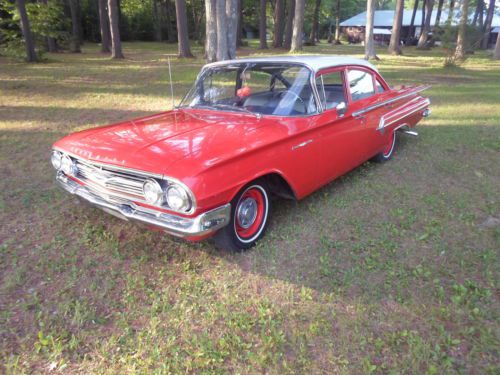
{"type": "Point", "coordinates": [365, 105]}
{"type": "Point", "coordinates": [344, 134]}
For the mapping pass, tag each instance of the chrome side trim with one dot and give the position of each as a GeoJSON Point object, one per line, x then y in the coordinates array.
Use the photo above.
{"type": "Point", "coordinates": [179, 226]}
{"type": "Point", "coordinates": [388, 119]}
{"type": "Point", "coordinates": [305, 143]}
{"type": "Point", "coordinates": [381, 104]}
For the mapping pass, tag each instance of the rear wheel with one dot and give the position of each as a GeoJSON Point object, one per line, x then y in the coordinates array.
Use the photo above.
{"type": "Point", "coordinates": [386, 153]}
{"type": "Point", "coordinates": [249, 218]}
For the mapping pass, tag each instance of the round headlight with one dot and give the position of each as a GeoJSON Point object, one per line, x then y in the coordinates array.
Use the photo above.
{"type": "Point", "coordinates": [55, 159]}
{"type": "Point", "coordinates": [177, 198]}
{"type": "Point", "coordinates": [68, 166]}
{"type": "Point", "coordinates": [152, 192]}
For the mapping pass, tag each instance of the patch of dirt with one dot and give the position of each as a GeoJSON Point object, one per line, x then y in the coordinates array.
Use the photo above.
{"type": "Point", "coordinates": [490, 222]}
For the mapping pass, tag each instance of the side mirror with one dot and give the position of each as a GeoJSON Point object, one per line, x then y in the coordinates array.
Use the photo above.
{"type": "Point", "coordinates": [341, 109]}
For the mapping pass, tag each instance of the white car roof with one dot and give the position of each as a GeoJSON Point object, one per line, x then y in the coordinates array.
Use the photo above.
{"type": "Point", "coordinates": [315, 62]}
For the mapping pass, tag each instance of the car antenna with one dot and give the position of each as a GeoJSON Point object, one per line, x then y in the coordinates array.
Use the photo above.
{"type": "Point", "coordinates": [170, 79]}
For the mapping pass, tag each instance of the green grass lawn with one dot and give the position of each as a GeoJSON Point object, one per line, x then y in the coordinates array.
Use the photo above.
{"type": "Point", "coordinates": [391, 269]}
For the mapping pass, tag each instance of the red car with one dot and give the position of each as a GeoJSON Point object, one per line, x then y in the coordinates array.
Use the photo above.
{"type": "Point", "coordinates": [248, 129]}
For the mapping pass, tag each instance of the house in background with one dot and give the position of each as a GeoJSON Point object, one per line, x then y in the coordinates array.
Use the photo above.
{"type": "Point", "coordinates": [495, 30]}
{"type": "Point", "coordinates": [354, 27]}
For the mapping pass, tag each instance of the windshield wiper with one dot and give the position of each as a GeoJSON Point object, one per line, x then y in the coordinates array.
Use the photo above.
{"type": "Point", "coordinates": [241, 109]}
{"type": "Point", "coordinates": [222, 106]}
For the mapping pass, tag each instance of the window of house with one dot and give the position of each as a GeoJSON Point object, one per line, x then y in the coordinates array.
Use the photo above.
{"type": "Point", "coordinates": [360, 84]}
{"type": "Point", "coordinates": [331, 89]}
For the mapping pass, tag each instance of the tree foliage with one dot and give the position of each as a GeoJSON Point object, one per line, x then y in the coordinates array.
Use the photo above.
{"type": "Point", "coordinates": [149, 20]}
{"type": "Point", "coordinates": [46, 20]}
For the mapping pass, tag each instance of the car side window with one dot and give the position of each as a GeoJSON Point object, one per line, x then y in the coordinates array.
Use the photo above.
{"type": "Point", "coordinates": [331, 89]}
{"type": "Point", "coordinates": [360, 84]}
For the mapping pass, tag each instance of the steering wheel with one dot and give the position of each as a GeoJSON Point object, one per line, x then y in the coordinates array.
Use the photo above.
{"type": "Point", "coordinates": [283, 93]}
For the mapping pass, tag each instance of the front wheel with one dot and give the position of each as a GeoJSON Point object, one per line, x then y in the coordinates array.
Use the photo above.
{"type": "Point", "coordinates": [386, 153]}
{"type": "Point", "coordinates": [249, 218]}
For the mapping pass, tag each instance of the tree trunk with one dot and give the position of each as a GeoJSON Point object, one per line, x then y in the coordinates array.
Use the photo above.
{"type": "Point", "coordinates": [411, 31]}
{"type": "Point", "coordinates": [331, 36]}
{"type": "Point", "coordinates": [487, 24]}
{"type": "Point", "coordinates": [75, 37]}
{"type": "Point", "coordinates": [79, 23]}
{"type": "Point", "coordinates": [262, 25]}
{"type": "Point", "coordinates": [477, 11]}
{"type": "Point", "coordinates": [171, 34]}
{"type": "Point", "coordinates": [279, 23]}
{"type": "Point", "coordinates": [337, 24]}
{"type": "Point", "coordinates": [196, 24]}
{"type": "Point", "coordinates": [211, 30]}
{"type": "Point", "coordinates": [289, 24]}
{"type": "Point", "coordinates": [52, 45]}
{"type": "Point", "coordinates": [481, 16]}
{"type": "Point", "coordinates": [26, 29]}
{"type": "Point", "coordinates": [182, 29]}
{"type": "Point", "coordinates": [451, 10]}
{"type": "Point", "coordinates": [369, 42]}
{"type": "Point", "coordinates": [298, 26]}
{"type": "Point", "coordinates": [51, 42]}
{"type": "Point", "coordinates": [462, 28]}
{"type": "Point", "coordinates": [239, 36]}
{"type": "Point", "coordinates": [496, 55]}
{"type": "Point", "coordinates": [438, 14]}
{"type": "Point", "coordinates": [222, 53]}
{"type": "Point", "coordinates": [232, 27]}
{"type": "Point", "coordinates": [156, 20]}
{"type": "Point", "coordinates": [104, 26]}
{"type": "Point", "coordinates": [116, 43]}
{"type": "Point", "coordinates": [422, 18]}
{"type": "Point", "coordinates": [313, 37]}
{"type": "Point", "coordinates": [395, 43]}
{"type": "Point", "coordinates": [424, 35]}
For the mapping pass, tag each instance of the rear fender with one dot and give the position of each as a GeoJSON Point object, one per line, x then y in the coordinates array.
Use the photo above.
{"type": "Point", "coordinates": [408, 110]}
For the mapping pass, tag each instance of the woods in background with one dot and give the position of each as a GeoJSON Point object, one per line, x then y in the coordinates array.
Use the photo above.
{"type": "Point", "coordinates": [30, 27]}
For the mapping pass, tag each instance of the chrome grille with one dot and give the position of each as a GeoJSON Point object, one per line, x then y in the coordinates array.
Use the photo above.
{"type": "Point", "coordinates": [109, 182]}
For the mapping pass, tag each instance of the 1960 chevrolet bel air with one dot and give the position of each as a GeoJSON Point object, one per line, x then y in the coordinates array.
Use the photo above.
{"type": "Point", "coordinates": [248, 129]}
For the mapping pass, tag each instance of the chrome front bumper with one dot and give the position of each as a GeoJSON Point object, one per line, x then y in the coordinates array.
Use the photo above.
{"type": "Point", "coordinates": [179, 226]}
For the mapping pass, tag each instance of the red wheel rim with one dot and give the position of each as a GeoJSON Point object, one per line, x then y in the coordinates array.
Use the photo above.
{"type": "Point", "coordinates": [250, 213]}
{"type": "Point", "coordinates": [389, 147]}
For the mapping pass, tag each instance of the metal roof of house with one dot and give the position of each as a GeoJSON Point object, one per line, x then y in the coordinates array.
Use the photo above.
{"type": "Point", "coordinates": [384, 18]}
{"type": "Point", "coordinates": [315, 62]}
{"type": "Point", "coordinates": [495, 30]}
{"type": "Point", "coordinates": [378, 31]}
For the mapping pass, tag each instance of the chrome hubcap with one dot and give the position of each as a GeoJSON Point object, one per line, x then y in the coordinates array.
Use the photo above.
{"type": "Point", "coordinates": [247, 212]}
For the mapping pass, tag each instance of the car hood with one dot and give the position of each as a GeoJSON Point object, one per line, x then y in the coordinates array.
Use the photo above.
{"type": "Point", "coordinates": [155, 143]}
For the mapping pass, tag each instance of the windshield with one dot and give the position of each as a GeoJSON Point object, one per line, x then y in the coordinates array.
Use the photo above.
{"type": "Point", "coordinates": [261, 88]}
